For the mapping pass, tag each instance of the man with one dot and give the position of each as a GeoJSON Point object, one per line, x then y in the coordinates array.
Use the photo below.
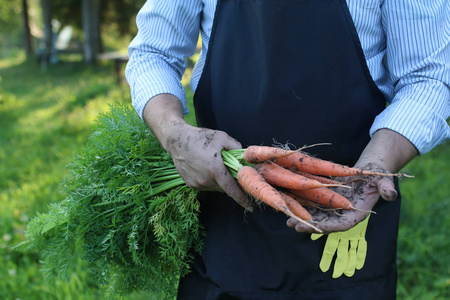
{"type": "Point", "coordinates": [302, 72]}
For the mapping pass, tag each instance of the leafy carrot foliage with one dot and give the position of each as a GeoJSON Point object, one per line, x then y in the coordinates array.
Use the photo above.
{"type": "Point", "coordinates": [127, 209]}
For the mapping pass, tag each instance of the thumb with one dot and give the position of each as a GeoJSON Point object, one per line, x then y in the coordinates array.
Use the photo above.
{"type": "Point", "coordinates": [386, 189]}
{"type": "Point", "coordinates": [315, 236]}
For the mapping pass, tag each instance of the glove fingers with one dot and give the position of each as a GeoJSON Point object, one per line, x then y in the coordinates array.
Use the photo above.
{"type": "Point", "coordinates": [364, 224]}
{"type": "Point", "coordinates": [329, 250]}
{"type": "Point", "coordinates": [362, 246]}
{"type": "Point", "coordinates": [352, 259]}
{"type": "Point", "coordinates": [341, 259]}
{"type": "Point", "coordinates": [315, 236]}
{"type": "Point", "coordinates": [348, 260]}
{"type": "Point", "coordinates": [325, 262]}
{"type": "Point", "coordinates": [361, 254]}
{"type": "Point", "coordinates": [332, 244]}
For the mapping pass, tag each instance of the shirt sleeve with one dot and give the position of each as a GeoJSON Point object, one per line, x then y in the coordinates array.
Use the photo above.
{"type": "Point", "coordinates": [418, 60]}
{"type": "Point", "coordinates": [167, 34]}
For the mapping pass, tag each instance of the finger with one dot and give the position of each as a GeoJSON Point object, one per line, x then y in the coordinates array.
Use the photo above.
{"type": "Point", "coordinates": [352, 259]}
{"type": "Point", "coordinates": [300, 227]}
{"type": "Point", "coordinates": [361, 254]}
{"type": "Point", "coordinates": [329, 250]}
{"type": "Point", "coordinates": [364, 224]}
{"type": "Point", "coordinates": [341, 259]}
{"type": "Point", "coordinates": [227, 182]}
{"type": "Point", "coordinates": [231, 143]}
{"type": "Point", "coordinates": [325, 262]}
{"type": "Point", "coordinates": [291, 222]}
{"type": "Point", "coordinates": [387, 190]}
{"type": "Point", "coordinates": [241, 198]}
{"type": "Point", "coordinates": [332, 243]}
{"type": "Point", "coordinates": [333, 224]}
{"type": "Point", "coordinates": [316, 236]}
{"type": "Point", "coordinates": [230, 186]}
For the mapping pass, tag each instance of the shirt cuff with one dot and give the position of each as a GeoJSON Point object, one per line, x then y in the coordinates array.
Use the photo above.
{"type": "Point", "coordinates": [422, 126]}
{"type": "Point", "coordinates": [150, 84]}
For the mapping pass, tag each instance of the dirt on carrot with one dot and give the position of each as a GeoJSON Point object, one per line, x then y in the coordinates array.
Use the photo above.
{"type": "Point", "coordinates": [258, 154]}
{"type": "Point", "coordinates": [281, 177]}
{"type": "Point", "coordinates": [326, 197]}
{"type": "Point", "coordinates": [306, 163]}
{"type": "Point", "coordinates": [321, 179]}
{"type": "Point", "coordinates": [296, 207]}
{"type": "Point", "coordinates": [254, 184]}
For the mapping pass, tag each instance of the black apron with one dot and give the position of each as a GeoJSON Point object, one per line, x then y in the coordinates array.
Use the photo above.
{"type": "Point", "coordinates": [286, 71]}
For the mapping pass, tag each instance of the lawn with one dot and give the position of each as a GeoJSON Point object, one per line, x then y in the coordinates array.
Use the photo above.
{"type": "Point", "coordinates": [47, 115]}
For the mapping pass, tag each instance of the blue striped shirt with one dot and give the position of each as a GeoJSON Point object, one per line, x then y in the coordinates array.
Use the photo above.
{"type": "Point", "coordinates": [406, 44]}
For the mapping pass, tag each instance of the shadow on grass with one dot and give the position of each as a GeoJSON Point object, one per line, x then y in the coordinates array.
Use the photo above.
{"type": "Point", "coordinates": [45, 118]}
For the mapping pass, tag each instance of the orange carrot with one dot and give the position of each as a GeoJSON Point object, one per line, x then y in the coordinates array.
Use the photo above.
{"type": "Point", "coordinates": [281, 177]}
{"type": "Point", "coordinates": [317, 177]}
{"type": "Point", "coordinates": [303, 201]}
{"type": "Point", "coordinates": [326, 197]}
{"type": "Point", "coordinates": [308, 203]}
{"type": "Point", "coordinates": [253, 183]}
{"type": "Point", "coordinates": [296, 207]}
{"type": "Point", "coordinates": [306, 163]}
{"type": "Point", "coordinates": [258, 154]}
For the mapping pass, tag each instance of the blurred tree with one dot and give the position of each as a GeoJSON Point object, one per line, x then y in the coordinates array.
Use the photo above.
{"type": "Point", "coordinates": [91, 28]}
{"type": "Point", "coordinates": [112, 12]}
{"type": "Point", "coordinates": [122, 13]}
{"type": "Point", "coordinates": [112, 16]}
{"type": "Point", "coordinates": [68, 12]}
{"type": "Point", "coordinates": [10, 25]}
{"type": "Point", "coordinates": [9, 15]}
{"type": "Point", "coordinates": [48, 32]}
{"type": "Point", "coordinates": [93, 17]}
{"type": "Point", "coordinates": [29, 49]}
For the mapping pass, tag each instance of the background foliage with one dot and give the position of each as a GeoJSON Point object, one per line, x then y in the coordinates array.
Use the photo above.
{"type": "Point", "coordinates": [118, 14]}
{"type": "Point", "coordinates": [47, 115]}
{"type": "Point", "coordinates": [117, 19]}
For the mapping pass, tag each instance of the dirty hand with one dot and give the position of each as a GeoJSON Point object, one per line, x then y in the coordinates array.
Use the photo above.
{"type": "Point", "coordinates": [195, 151]}
{"type": "Point", "coordinates": [364, 194]}
{"type": "Point", "coordinates": [386, 151]}
{"type": "Point", "coordinates": [197, 156]}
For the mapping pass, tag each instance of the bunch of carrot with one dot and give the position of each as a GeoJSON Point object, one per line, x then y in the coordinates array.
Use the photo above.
{"type": "Point", "coordinates": [288, 180]}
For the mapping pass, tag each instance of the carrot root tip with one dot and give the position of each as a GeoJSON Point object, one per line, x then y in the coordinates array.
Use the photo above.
{"type": "Point", "coordinates": [339, 214]}
{"type": "Point", "coordinates": [288, 212]}
{"type": "Point", "coordinates": [366, 211]}
{"type": "Point", "coordinates": [313, 145]}
{"type": "Point", "coordinates": [338, 185]}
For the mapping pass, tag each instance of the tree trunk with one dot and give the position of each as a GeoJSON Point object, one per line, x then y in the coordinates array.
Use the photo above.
{"type": "Point", "coordinates": [91, 29]}
{"type": "Point", "coordinates": [47, 19]}
{"type": "Point", "coordinates": [29, 49]}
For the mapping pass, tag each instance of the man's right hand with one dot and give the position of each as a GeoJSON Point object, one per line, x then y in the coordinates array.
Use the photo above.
{"type": "Point", "coordinates": [196, 151]}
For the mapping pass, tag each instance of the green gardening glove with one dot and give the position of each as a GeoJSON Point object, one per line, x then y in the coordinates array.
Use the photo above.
{"type": "Point", "coordinates": [350, 247]}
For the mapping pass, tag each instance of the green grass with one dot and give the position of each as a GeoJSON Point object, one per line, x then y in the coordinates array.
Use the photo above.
{"type": "Point", "coordinates": [47, 116]}
{"type": "Point", "coordinates": [424, 244]}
